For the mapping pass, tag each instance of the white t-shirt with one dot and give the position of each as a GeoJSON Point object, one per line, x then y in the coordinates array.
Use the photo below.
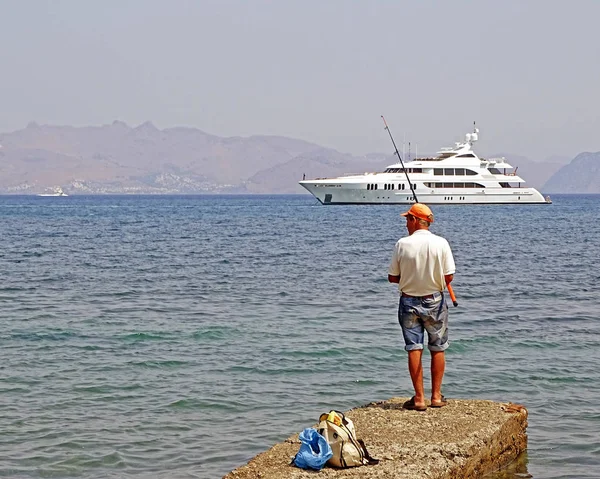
{"type": "Point", "coordinates": [421, 260]}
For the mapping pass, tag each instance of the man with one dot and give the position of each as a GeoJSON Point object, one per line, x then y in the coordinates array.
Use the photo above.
{"type": "Point", "coordinates": [422, 265]}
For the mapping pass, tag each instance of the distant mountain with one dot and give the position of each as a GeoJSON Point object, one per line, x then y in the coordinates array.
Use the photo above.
{"type": "Point", "coordinates": [120, 159]}
{"type": "Point", "coordinates": [581, 175]}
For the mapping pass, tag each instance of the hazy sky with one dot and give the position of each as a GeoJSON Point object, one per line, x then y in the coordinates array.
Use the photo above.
{"type": "Point", "coordinates": [528, 71]}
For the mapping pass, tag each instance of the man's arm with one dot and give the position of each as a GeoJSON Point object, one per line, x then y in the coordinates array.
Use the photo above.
{"type": "Point", "coordinates": [394, 269]}
{"type": "Point", "coordinates": [448, 263]}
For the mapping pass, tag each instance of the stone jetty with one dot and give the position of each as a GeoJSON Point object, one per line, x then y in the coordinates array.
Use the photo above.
{"type": "Point", "coordinates": [465, 439]}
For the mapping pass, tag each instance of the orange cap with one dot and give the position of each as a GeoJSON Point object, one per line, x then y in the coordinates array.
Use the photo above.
{"type": "Point", "coordinates": [421, 211]}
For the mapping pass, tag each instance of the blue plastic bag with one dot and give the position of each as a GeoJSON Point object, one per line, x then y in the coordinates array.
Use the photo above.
{"type": "Point", "coordinates": [314, 451]}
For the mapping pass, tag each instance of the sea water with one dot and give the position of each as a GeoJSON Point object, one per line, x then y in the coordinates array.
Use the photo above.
{"type": "Point", "coordinates": [180, 336]}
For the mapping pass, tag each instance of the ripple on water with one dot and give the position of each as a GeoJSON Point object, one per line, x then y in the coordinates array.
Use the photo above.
{"type": "Point", "coordinates": [146, 337]}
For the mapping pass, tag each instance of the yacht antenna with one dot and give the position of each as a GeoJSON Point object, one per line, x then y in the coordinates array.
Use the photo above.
{"type": "Point", "coordinates": [404, 144]}
{"type": "Point", "coordinates": [412, 189]}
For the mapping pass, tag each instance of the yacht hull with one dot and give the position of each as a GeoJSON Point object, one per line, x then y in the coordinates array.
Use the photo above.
{"type": "Point", "coordinates": [349, 195]}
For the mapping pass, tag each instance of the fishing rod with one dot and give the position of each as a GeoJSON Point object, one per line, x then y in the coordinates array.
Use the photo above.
{"type": "Point", "coordinates": [412, 189]}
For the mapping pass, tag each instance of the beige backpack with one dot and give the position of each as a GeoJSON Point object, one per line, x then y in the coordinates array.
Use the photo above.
{"type": "Point", "coordinates": [348, 451]}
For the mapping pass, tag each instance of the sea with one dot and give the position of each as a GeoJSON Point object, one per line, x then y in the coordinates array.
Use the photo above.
{"type": "Point", "coordinates": [179, 336]}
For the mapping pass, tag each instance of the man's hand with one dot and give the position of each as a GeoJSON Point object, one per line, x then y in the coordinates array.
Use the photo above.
{"type": "Point", "coordinates": [393, 279]}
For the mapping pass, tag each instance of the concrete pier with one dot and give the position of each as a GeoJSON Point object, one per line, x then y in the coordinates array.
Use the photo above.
{"type": "Point", "coordinates": [465, 439]}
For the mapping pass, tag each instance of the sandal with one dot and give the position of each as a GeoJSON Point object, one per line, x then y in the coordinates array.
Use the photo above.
{"type": "Point", "coordinates": [441, 403]}
{"type": "Point", "coordinates": [410, 404]}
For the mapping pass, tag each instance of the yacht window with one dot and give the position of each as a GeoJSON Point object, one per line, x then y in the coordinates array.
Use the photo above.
{"type": "Point", "coordinates": [494, 171]}
{"type": "Point", "coordinates": [470, 172]}
{"type": "Point", "coordinates": [449, 171]}
{"type": "Point", "coordinates": [504, 185]}
{"type": "Point", "coordinates": [417, 170]}
{"type": "Point", "coordinates": [459, 171]}
{"type": "Point", "coordinates": [468, 155]}
{"type": "Point", "coordinates": [448, 185]}
{"type": "Point", "coordinates": [438, 172]}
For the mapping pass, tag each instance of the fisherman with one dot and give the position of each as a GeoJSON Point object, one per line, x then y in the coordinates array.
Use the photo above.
{"type": "Point", "coordinates": [422, 265]}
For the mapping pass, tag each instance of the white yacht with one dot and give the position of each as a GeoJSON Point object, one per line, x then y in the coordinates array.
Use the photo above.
{"type": "Point", "coordinates": [456, 175]}
{"type": "Point", "coordinates": [57, 191]}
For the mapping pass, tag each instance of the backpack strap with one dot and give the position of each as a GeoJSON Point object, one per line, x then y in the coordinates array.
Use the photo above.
{"type": "Point", "coordinates": [370, 459]}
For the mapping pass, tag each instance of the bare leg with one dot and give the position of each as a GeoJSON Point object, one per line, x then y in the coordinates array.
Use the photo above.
{"type": "Point", "coordinates": [438, 365]}
{"type": "Point", "coordinates": [415, 368]}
